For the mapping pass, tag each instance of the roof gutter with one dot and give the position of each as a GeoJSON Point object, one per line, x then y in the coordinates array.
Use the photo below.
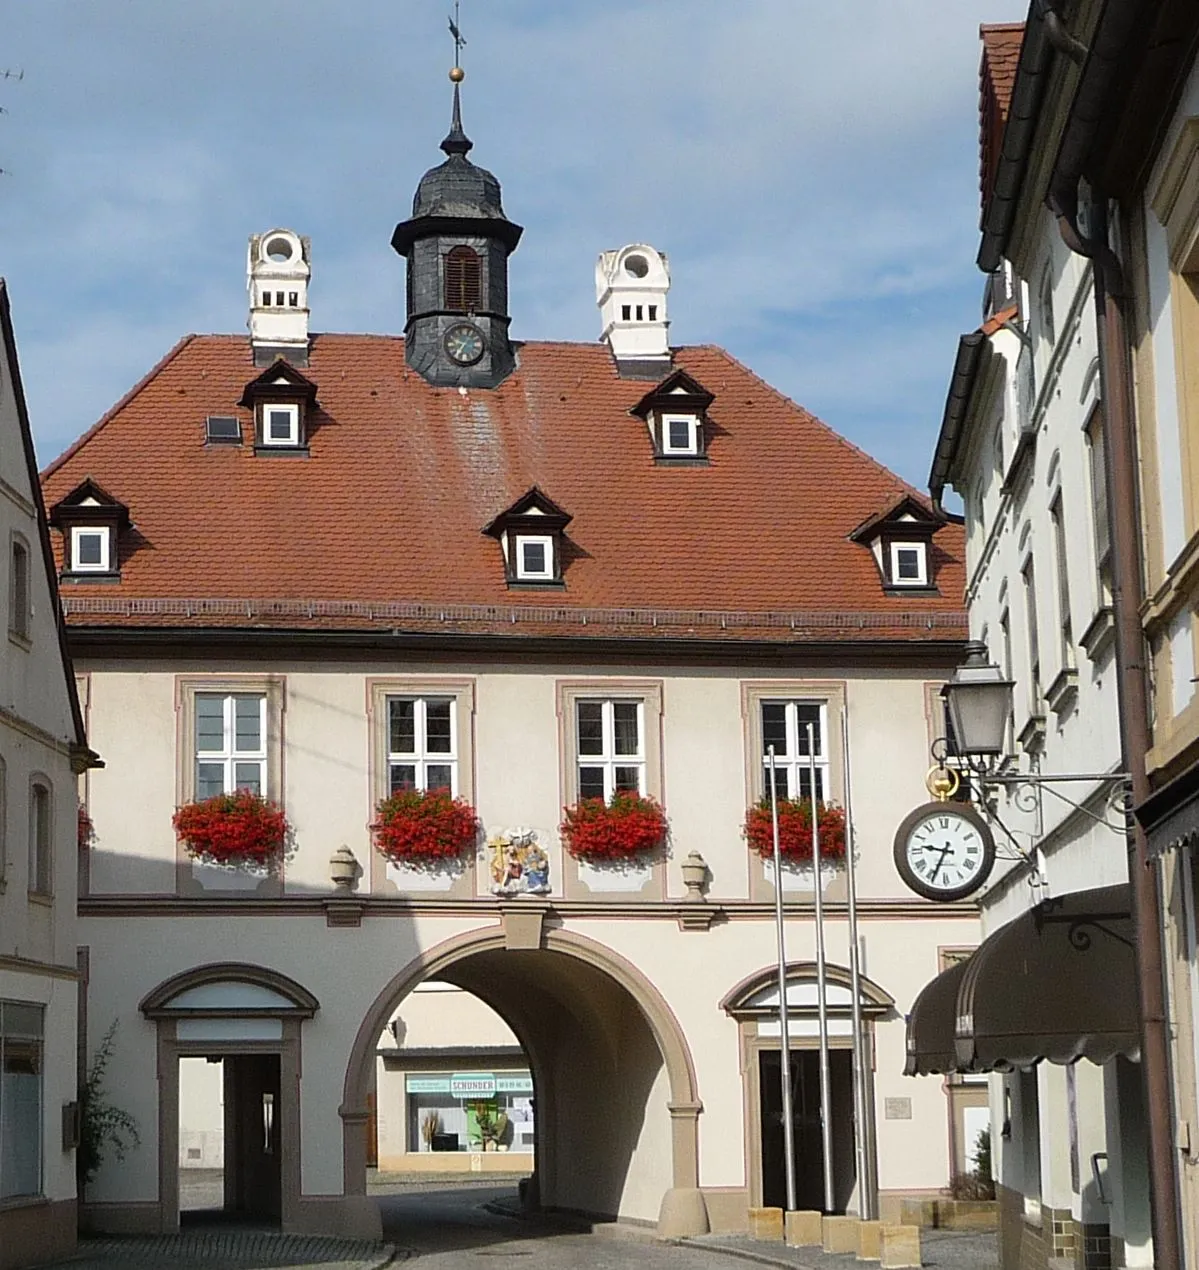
{"type": "Point", "coordinates": [966, 368]}
{"type": "Point", "coordinates": [1032, 75]}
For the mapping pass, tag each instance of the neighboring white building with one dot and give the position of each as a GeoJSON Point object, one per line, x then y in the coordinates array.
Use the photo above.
{"type": "Point", "coordinates": [1022, 443]}
{"type": "Point", "coordinates": [532, 573]}
{"type": "Point", "coordinates": [42, 754]}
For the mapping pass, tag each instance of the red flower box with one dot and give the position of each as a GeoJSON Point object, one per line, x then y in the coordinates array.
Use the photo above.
{"type": "Point", "coordinates": [239, 829]}
{"type": "Point", "coordinates": [795, 829]}
{"type": "Point", "coordinates": [416, 826]}
{"type": "Point", "coordinates": [87, 831]}
{"type": "Point", "coordinates": [627, 827]}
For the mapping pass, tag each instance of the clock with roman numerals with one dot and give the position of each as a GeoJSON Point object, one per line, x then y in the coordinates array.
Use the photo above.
{"type": "Point", "coordinates": [944, 851]}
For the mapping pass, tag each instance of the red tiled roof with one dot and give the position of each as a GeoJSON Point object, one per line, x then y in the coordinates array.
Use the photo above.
{"type": "Point", "coordinates": [996, 80]}
{"type": "Point", "coordinates": [382, 525]}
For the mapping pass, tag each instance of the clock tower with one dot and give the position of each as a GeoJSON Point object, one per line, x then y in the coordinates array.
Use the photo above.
{"type": "Point", "coordinates": [457, 245]}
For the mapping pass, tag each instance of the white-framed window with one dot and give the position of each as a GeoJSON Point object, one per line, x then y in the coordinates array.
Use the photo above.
{"type": "Point", "coordinates": [680, 434]}
{"type": "Point", "coordinates": [534, 557]}
{"type": "Point", "coordinates": [280, 424]}
{"type": "Point", "coordinates": [784, 725]}
{"type": "Point", "coordinates": [89, 549]}
{"type": "Point", "coordinates": [422, 743]}
{"type": "Point", "coordinates": [609, 747]}
{"type": "Point", "coordinates": [21, 1145]}
{"type": "Point", "coordinates": [231, 743]}
{"type": "Point", "coordinates": [909, 564]}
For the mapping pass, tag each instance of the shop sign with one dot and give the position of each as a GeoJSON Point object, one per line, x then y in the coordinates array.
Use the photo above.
{"type": "Point", "coordinates": [427, 1084]}
{"type": "Point", "coordinates": [472, 1085]}
{"type": "Point", "coordinates": [514, 1083]}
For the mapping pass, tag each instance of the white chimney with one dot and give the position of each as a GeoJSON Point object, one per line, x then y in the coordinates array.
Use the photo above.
{"type": "Point", "coordinates": [630, 288]}
{"type": "Point", "coordinates": [278, 267]}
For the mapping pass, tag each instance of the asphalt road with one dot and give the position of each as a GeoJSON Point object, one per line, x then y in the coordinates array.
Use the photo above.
{"type": "Point", "coordinates": [452, 1228]}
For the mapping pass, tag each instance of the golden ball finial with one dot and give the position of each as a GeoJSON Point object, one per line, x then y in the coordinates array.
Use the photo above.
{"type": "Point", "coordinates": [457, 75]}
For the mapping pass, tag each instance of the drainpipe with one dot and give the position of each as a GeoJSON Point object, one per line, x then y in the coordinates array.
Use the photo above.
{"type": "Point", "coordinates": [1059, 37]}
{"type": "Point", "coordinates": [1132, 691]}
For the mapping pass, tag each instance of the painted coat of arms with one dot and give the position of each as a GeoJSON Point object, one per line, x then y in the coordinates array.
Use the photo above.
{"type": "Point", "coordinates": [519, 864]}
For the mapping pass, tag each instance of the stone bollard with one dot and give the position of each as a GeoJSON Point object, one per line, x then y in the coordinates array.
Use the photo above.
{"type": "Point", "coordinates": [804, 1229]}
{"type": "Point", "coordinates": [766, 1223]}
{"type": "Point", "coordinates": [868, 1236]}
{"type": "Point", "coordinates": [840, 1234]}
{"type": "Point", "coordinates": [899, 1247]}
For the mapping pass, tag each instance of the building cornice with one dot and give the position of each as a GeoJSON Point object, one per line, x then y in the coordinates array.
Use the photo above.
{"type": "Point", "coordinates": [482, 909]}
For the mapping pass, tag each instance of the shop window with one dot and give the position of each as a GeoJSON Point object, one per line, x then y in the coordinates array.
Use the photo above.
{"type": "Point", "coordinates": [21, 1146]}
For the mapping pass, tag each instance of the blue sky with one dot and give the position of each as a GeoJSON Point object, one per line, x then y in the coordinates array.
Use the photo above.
{"type": "Point", "coordinates": [810, 168]}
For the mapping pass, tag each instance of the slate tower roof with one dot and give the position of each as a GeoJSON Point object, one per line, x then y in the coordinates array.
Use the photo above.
{"type": "Point", "coordinates": [457, 244]}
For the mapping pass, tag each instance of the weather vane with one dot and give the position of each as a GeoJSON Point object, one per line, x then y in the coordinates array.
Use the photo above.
{"type": "Point", "coordinates": [457, 74]}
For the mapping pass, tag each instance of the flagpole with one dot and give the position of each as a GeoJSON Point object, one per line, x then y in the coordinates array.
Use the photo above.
{"type": "Point", "coordinates": [784, 1028]}
{"type": "Point", "coordinates": [867, 1199]}
{"type": "Point", "coordinates": [826, 1127]}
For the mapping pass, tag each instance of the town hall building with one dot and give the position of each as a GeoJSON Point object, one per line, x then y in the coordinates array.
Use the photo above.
{"type": "Point", "coordinates": [330, 569]}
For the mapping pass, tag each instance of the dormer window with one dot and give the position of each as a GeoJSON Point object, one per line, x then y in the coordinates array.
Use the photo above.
{"type": "Point", "coordinates": [280, 425]}
{"type": "Point", "coordinates": [680, 435]}
{"type": "Point", "coordinates": [901, 541]}
{"type": "Point", "coordinates": [675, 413]}
{"type": "Point", "coordinates": [534, 558]}
{"type": "Point", "coordinates": [91, 521]}
{"type": "Point", "coordinates": [909, 564]}
{"type": "Point", "coordinates": [283, 400]}
{"type": "Point", "coordinates": [531, 534]}
{"type": "Point", "coordinates": [89, 550]}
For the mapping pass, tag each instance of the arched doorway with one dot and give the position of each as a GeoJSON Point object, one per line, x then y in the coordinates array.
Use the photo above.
{"type": "Point", "coordinates": [249, 1019]}
{"type": "Point", "coordinates": [616, 1095]}
{"type": "Point", "coordinates": [754, 1003]}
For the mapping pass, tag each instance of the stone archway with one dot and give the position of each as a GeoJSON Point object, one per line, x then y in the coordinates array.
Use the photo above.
{"type": "Point", "coordinates": [610, 1061]}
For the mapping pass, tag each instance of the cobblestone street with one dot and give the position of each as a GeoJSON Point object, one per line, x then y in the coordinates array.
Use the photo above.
{"type": "Point", "coordinates": [448, 1227]}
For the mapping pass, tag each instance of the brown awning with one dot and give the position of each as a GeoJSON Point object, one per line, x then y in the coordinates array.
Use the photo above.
{"type": "Point", "coordinates": [931, 1049]}
{"type": "Point", "coordinates": [1058, 983]}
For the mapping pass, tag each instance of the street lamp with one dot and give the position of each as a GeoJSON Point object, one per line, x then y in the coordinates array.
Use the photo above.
{"type": "Point", "coordinates": [978, 700]}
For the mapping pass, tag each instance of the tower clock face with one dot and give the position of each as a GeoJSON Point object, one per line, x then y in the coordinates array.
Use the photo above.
{"type": "Point", "coordinates": [944, 851]}
{"type": "Point", "coordinates": [464, 343]}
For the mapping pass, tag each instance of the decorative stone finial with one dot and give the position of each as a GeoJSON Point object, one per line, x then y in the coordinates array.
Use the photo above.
{"type": "Point", "coordinates": [343, 869]}
{"type": "Point", "coordinates": [695, 878]}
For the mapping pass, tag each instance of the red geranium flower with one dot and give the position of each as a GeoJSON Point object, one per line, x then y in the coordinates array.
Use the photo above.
{"type": "Point", "coordinates": [628, 826]}
{"type": "Point", "coordinates": [417, 826]}
{"type": "Point", "coordinates": [795, 829]}
{"type": "Point", "coordinates": [239, 828]}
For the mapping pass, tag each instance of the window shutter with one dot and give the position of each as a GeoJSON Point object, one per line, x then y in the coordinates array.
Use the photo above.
{"type": "Point", "coordinates": [462, 280]}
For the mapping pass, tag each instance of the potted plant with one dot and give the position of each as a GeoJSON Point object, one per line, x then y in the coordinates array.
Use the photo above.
{"type": "Point", "coordinates": [795, 830]}
{"type": "Point", "coordinates": [419, 828]}
{"type": "Point", "coordinates": [241, 829]}
{"type": "Point", "coordinates": [626, 828]}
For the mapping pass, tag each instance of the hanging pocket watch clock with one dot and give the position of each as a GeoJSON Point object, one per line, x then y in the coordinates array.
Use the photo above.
{"type": "Point", "coordinates": [944, 850]}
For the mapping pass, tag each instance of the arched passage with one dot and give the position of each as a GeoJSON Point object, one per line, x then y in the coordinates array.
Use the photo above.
{"type": "Point", "coordinates": [616, 1092]}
